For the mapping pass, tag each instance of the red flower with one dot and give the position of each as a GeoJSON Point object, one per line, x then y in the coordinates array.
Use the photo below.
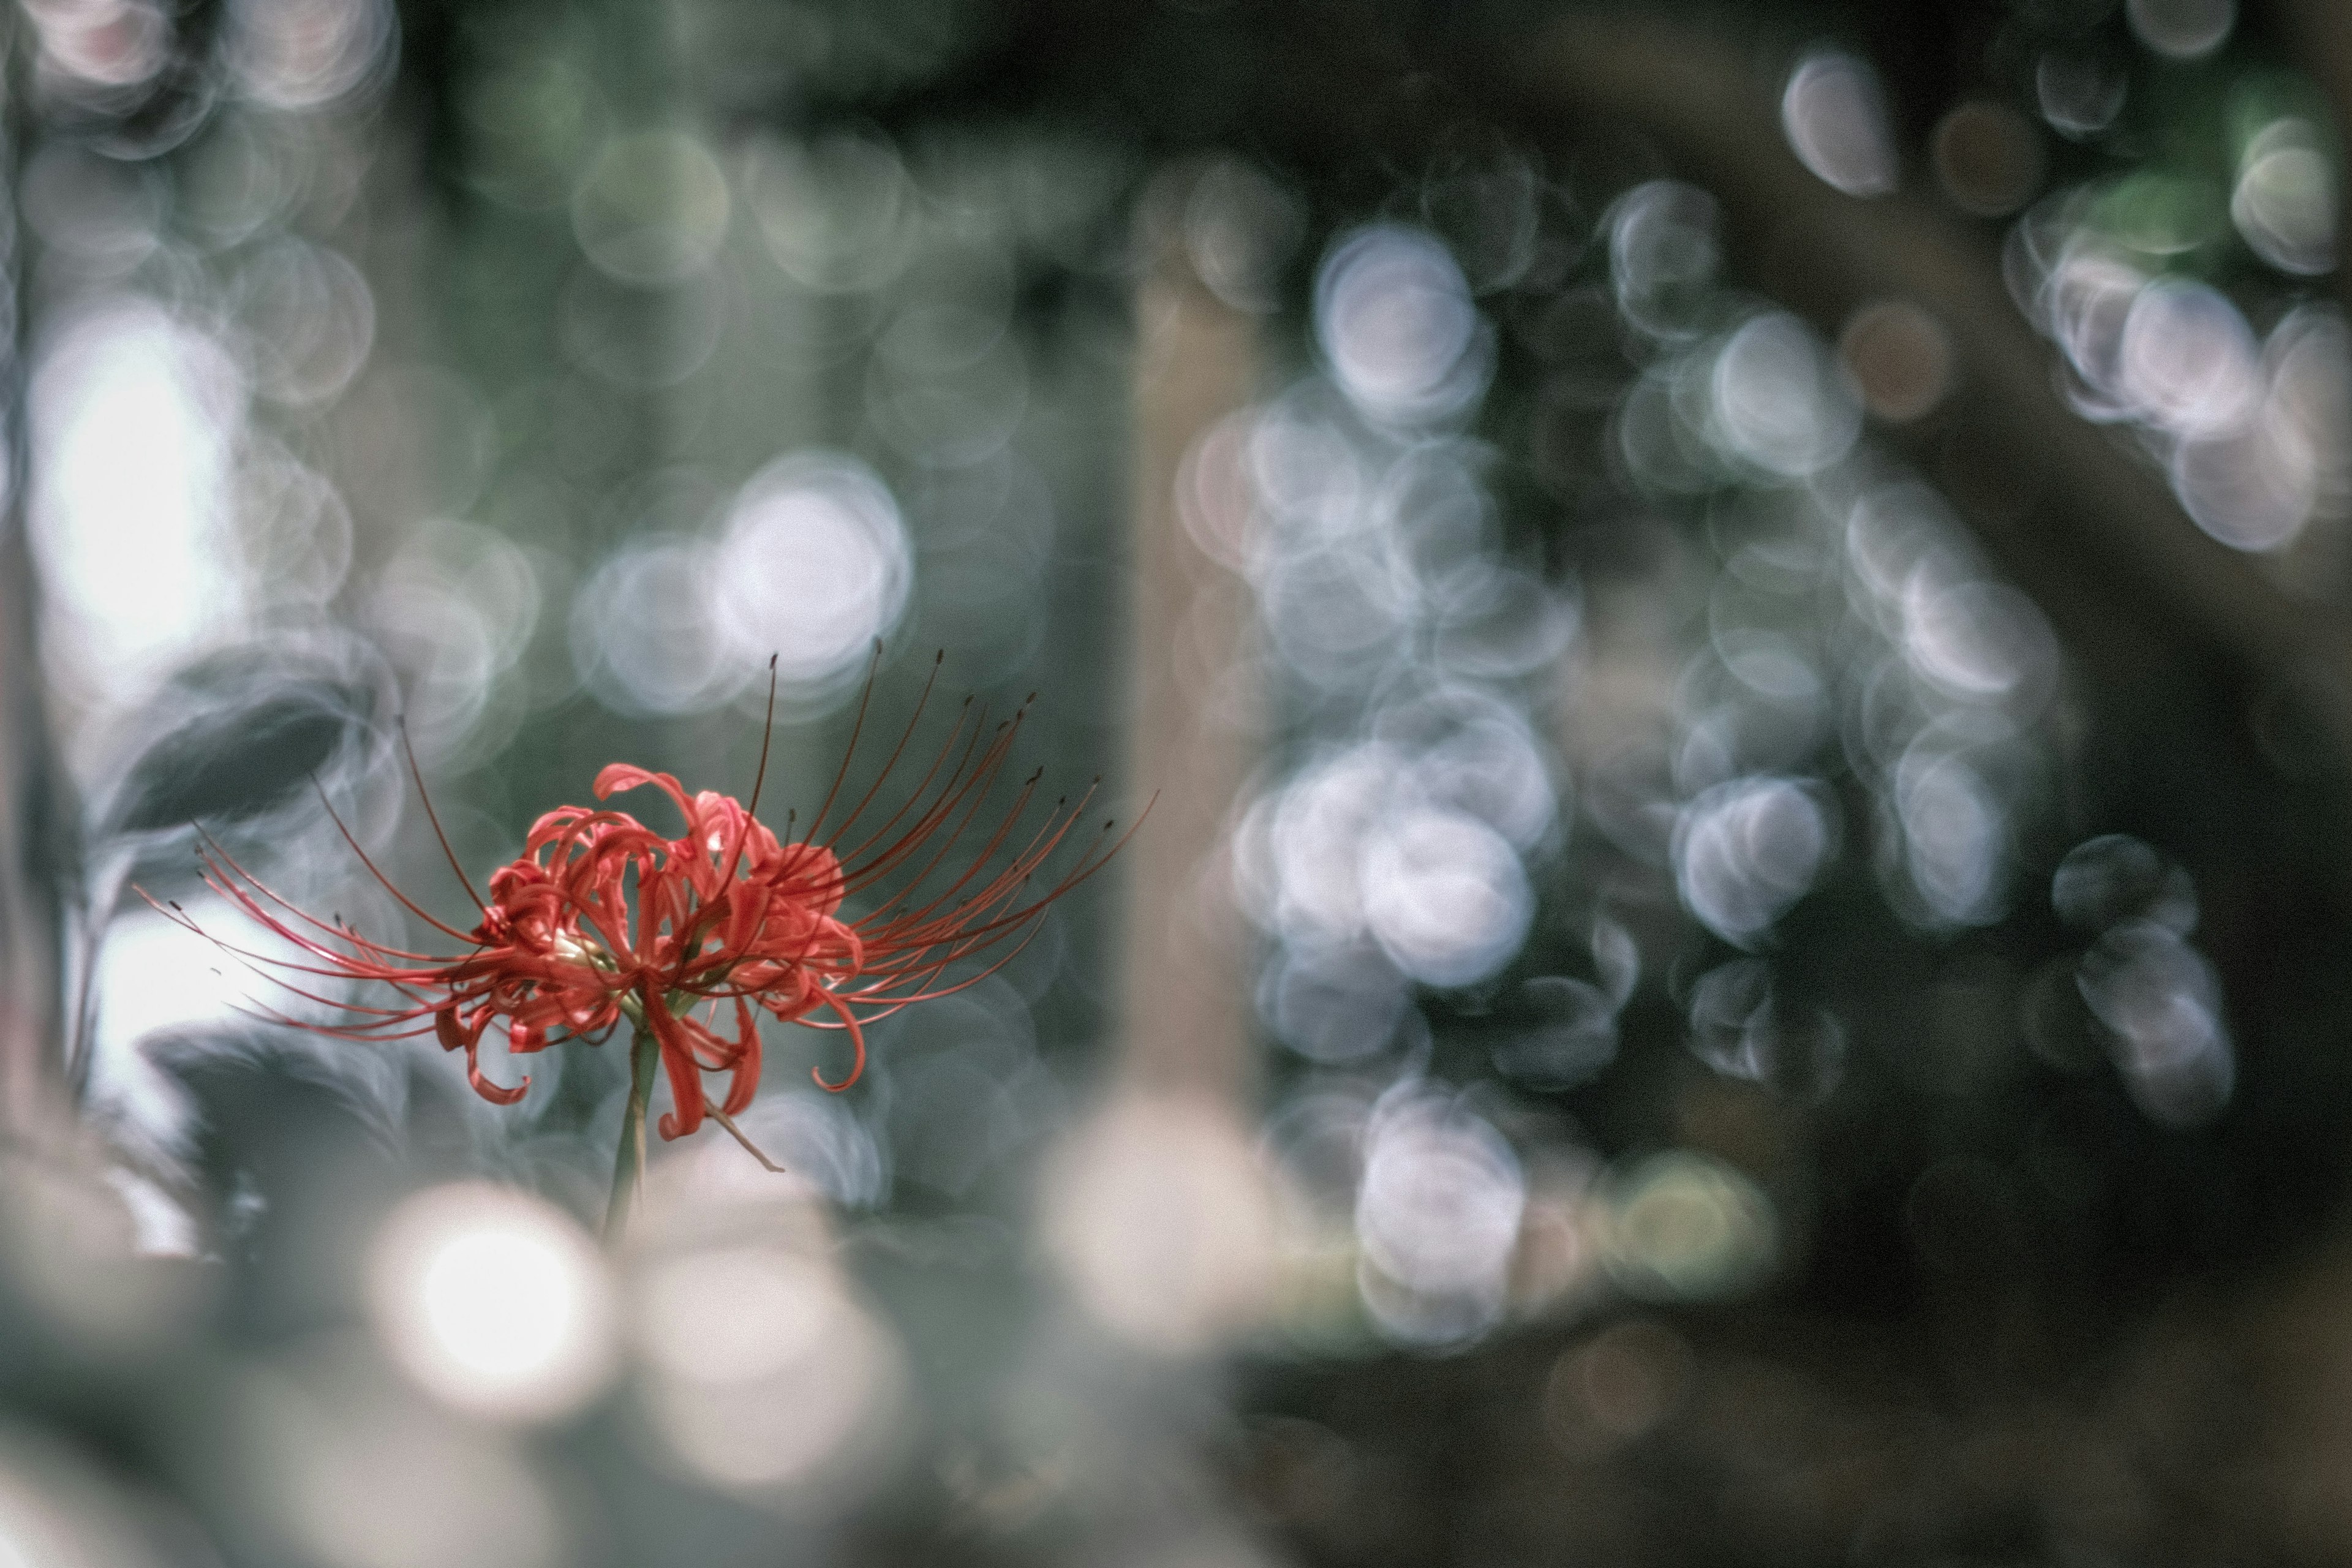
{"type": "Point", "coordinates": [603, 918]}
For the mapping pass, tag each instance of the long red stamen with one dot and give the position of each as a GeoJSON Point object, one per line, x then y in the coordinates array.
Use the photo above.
{"type": "Point", "coordinates": [389, 886]}
{"type": "Point", "coordinates": [425, 798]}
{"type": "Point", "coordinates": [857, 727]}
{"type": "Point", "coordinates": [602, 913]}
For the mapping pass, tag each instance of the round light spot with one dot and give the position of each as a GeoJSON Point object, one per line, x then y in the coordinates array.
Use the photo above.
{"type": "Point", "coordinates": [2187, 359]}
{"type": "Point", "coordinates": [1684, 1226]}
{"type": "Point", "coordinates": [1745, 851]}
{"type": "Point", "coordinates": [1567, 1034]}
{"type": "Point", "coordinates": [1955, 837]}
{"type": "Point", "coordinates": [1444, 896]}
{"type": "Point", "coordinates": [133, 417]}
{"type": "Point", "coordinates": [838, 215]}
{"type": "Point", "coordinates": [1834, 114]}
{"type": "Point", "coordinates": [2114, 878]}
{"type": "Point", "coordinates": [2182, 29]}
{"type": "Point", "coordinates": [1240, 227]}
{"type": "Point", "coordinates": [299, 54]}
{"type": "Point", "coordinates": [815, 565]}
{"type": "Point", "coordinates": [1438, 1210]}
{"type": "Point", "coordinates": [642, 635]}
{"type": "Point", "coordinates": [1977, 639]}
{"type": "Point", "coordinates": [2253, 490]}
{"type": "Point", "coordinates": [1899, 357]}
{"type": "Point", "coordinates": [1662, 255]}
{"type": "Point", "coordinates": [1162, 1218]}
{"type": "Point", "coordinates": [1987, 159]}
{"type": "Point", "coordinates": [1393, 315]}
{"type": "Point", "coordinates": [2285, 201]}
{"type": "Point", "coordinates": [1779, 401]}
{"type": "Point", "coordinates": [2161, 1003]}
{"type": "Point", "coordinates": [652, 209]}
{"type": "Point", "coordinates": [494, 1301]}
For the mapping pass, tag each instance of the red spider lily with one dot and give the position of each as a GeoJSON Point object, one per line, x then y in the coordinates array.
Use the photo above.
{"type": "Point", "coordinates": [602, 918]}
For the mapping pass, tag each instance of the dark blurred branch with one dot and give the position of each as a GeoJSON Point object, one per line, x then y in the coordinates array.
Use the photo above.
{"type": "Point", "coordinates": [2106, 545]}
{"type": "Point", "coordinates": [2321, 31]}
{"type": "Point", "coordinates": [35, 833]}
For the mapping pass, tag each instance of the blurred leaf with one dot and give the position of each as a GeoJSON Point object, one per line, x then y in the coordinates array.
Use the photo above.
{"type": "Point", "coordinates": [245, 755]}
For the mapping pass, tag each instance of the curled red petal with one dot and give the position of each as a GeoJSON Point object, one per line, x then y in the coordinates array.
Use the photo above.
{"type": "Point", "coordinates": [685, 1076]}
{"type": "Point", "coordinates": [857, 1040]}
{"type": "Point", "coordinates": [497, 1094]}
{"type": "Point", "coordinates": [746, 1081]}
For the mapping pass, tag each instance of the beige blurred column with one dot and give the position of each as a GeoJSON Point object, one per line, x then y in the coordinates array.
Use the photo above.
{"type": "Point", "coordinates": [1156, 1208]}
{"type": "Point", "coordinates": [1184, 992]}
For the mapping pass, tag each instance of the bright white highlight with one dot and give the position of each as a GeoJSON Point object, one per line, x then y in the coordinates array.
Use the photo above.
{"type": "Point", "coordinates": [301, 54]}
{"type": "Point", "coordinates": [1438, 1211]}
{"type": "Point", "coordinates": [1745, 851]}
{"type": "Point", "coordinates": [1835, 117]}
{"type": "Point", "coordinates": [1445, 896]}
{"type": "Point", "coordinates": [495, 1302]}
{"type": "Point", "coordinates": [1394, 316]}
{"type": "Point", "coordinates": [1779, 401]}
{"type": "Point", "coordinates": [811, 565]}
{"type": "Point", "coordinates": [2188, 359]}
{"type": "Point", "coordinates": [133, 413]}
{"type": "Point", "coordinates": [815, 565]}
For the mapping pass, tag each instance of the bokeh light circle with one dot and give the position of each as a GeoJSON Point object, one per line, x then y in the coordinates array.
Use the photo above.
{"type": "Point", "coordinates": [815, 564]}
{"type": "Point", "coordinates": [1394, 314]}
{"type": "Point", "coordinates": [1445, 896]}
{"type": "Point", "coordinates": [1834, 114]}
{"type": "Point", "coordinates": [494, 1301]}
{"type": "Point", "coordinates": [653, 208]}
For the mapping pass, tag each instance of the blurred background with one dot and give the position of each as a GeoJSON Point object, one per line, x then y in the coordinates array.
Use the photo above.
{"type": "Point", "coordinates": [1740, 618]}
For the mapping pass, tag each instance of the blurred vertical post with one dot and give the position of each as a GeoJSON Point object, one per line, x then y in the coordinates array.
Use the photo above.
{"type": "Point", "coordinates": [1156, 1208]}
{"type": "Point", "coordinates": [34, 870]}
{"type": "Point", "coordinates": [1196, 363]}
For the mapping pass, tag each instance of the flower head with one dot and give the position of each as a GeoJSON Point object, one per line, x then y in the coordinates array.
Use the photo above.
{"type": "Point", "coordinates": [691, 938]}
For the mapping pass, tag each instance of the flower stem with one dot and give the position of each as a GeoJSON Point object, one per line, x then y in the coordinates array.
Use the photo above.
{"type": "Point", "coordinates": [629, 1162]}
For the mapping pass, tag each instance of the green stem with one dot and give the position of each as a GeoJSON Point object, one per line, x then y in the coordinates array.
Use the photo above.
{"type": "Point", "coordinates": [629, 1163]}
